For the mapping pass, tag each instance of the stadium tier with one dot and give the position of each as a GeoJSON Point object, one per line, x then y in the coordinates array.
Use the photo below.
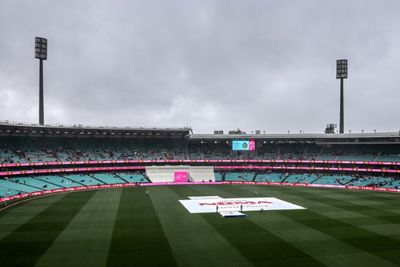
{"type": "Point", "coordinates": [22, 150]}
{"type": "Point", "coordinates": [15, 186]}
{"type": "Point", "coordinates": [21, 185]}
{"type": "Point", "coordinates": [30, 143]}
{"type": "Point", "coordinates": [39, 158]}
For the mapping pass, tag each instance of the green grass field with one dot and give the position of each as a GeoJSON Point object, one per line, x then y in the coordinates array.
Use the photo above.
{"type": "Point", "coordinates": [124, 227]}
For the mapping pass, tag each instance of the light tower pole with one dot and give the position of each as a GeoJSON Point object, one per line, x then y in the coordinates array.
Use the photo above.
{"type": "Point", "coordinates": [341, 73]}
{"type": "Point", "coordinates": [41, 54]}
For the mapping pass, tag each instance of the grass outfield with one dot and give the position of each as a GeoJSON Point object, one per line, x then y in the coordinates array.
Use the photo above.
{"type": "Point", "coordinates": [124, 227]}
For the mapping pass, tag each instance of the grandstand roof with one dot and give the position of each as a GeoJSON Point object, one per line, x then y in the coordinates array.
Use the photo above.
{"type": "Point", "coordinates": [355, 138]}
{"type": "Point", "coordinates": [8, 128]}
{"type": "Point", "coordinates": [34, 130]}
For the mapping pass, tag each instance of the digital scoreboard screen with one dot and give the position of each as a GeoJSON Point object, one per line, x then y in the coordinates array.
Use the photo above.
{"type": "Point", "coordinates": [244, 145]}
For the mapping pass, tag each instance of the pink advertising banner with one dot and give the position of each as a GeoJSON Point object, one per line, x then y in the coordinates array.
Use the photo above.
{"type": "Point", "coordinates": [250, 161]}
{"type": "Point", "coordinates": [181, 176]}
{"type": "Point", "coordinates": [95, 187]}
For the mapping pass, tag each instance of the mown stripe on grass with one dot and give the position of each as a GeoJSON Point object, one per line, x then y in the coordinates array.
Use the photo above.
{"type": "Point", "coordinates": [351, 195]}
{"type": "Point", "coordinates": [260, 246]}
{"type": "Point", "coordinates": [325, 248]}
{"type": "Point", "coordinates": [193, 241]}
{"type": "Point", "coordinates": [374, 195]}
{"type": "Point", "coordinates": [351, 234]}
{"type": "Point", "coordinates": [86, 240]}
{"type": "Point", "coordinates": [26, 245]}
{"type": "Point", "coordinates": [375, 211]}
{"type": "Point", "coordinates": [138, 239]}
{"type": "Point", "coordinates": [367, 197]}
{"type": "Point", "coordinates": [362, 215]}
{"type": "Point", "coordinates": [381, 246]}
{"type": "Point", "coordinates": [14, 217]}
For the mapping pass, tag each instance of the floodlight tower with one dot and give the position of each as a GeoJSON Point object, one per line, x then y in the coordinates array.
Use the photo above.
{"type": "Point", "coordinates": [341, 73]}
{"type": "Point", "coordinates": [41, 54]}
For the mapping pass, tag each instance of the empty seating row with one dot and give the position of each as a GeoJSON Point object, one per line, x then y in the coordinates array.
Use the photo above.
{"type": "Point", "coordinates": [239, 176]}
{"type": "Point", "coordinates": [108, 178]}
{"type": "Point", "coordinates": [14, 186]}
{"type": "Point", "coordinates": [132, 177]}
{"type": "Point", "coordinates": [37, 183]}
{"type": "Point", "coordinates": [301, 178]}
{"type": "Point", "coordinates": [271, 177]}
{"type": "Point", "coordinates": [334, 179]}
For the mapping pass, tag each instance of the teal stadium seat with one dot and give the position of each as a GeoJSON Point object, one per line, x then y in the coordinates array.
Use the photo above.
{"type": "Point", "coordinates": [393, 184]}
{"type": "Point", "coordinates": [108, 178]}
{"type": "Point", "coordinates": [133, 177]}
{"type": "Point", "coordinates": [218, 176]}
{"type": "Point", "coordinates": [30, 181]}
{"type": "Point", "coordinates": [83, 179]}
{"type": "Point", "coordinates": [394, 158]}
{"type": "Point", "coordinates": [5, 192]}
{"type": "Point", "coordinates": [271, 177]}
{"type": "Point", "coordinates": [239, 176]}
{"type": "Point", "coordinates": [333, 179]}
{"type": "Point", "coordinates": [301, 178]}
{"type": "Point", "coordinates": [371, 181]}
{"type": "Point", "coordinates": [9, 184]}
{"type": "Point", "coordinates": [58, 181]}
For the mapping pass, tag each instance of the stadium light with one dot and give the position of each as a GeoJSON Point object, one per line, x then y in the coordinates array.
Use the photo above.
{"type": "Point", "coordinates": [41, 54]}
{"type": "Point", "coordinates": [341, 73]}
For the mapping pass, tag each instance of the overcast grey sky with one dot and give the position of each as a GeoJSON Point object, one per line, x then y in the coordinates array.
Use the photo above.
{"type": "Point", "coordinates": [267, 65]}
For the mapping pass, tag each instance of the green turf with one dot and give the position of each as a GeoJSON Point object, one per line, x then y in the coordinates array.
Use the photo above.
{"type": "Point", "coordinates": [126, 227]}
{"type": "Point", "coordinates": [138, 237]}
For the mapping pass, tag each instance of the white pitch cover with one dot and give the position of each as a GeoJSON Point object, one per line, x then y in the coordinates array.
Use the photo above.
{"type": "Point", "coordinates": [210, 205]}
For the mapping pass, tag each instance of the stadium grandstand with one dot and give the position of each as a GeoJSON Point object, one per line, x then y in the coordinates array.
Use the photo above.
{"type": "Point", "coordinates": [43, 159]}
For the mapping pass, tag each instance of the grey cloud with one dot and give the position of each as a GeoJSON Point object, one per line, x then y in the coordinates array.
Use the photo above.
{"type": "Point", "coordinates": [266, 65]}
